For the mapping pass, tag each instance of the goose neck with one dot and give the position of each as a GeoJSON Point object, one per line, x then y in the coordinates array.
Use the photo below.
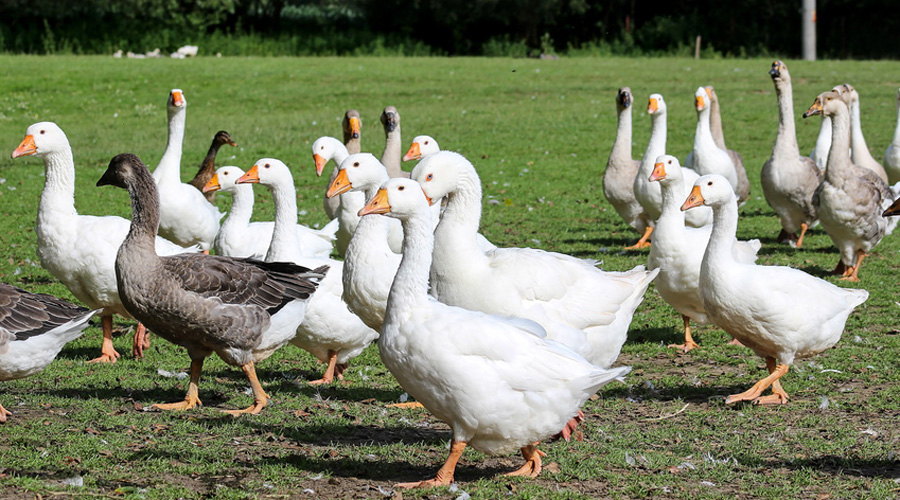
{"type": "Point", "coordinates": [704, 133]}
{"type": "Point", "coordinates": [392, 155]}
{"type": "Point", "coordinates": [169, 168]}
{"type": "Point", "coordinates": [786, 139]}
{"type": "Point", "coordinates": [621, 150]}
{"type": "Point", "coordinates": [896, 139]}
{"type": "Point", "coordinates": [283, 234]}
{"type": "Point", "coordinates": [410, 285]}
{"type": "Point", "coordinates": [241, 208]}
{"type": "Point", "coordinates": [722, 238]}
{"type": "Point", "coordinates": [839, 153]}
{"type": "Point", "coordinates": [857, 140]}
{"type": "Point", "coordinates": [463, 212]}
{"type": "Point", "coordinates": [657, 144]}
{"type": "Point", "coordinates": [715, 123]}
{"type": "Point", "coordinates": [141, 236]}
{"type": "Point", "coordinates": [672, 191]}
{"type": "Point", "coordinates": [59, 184]}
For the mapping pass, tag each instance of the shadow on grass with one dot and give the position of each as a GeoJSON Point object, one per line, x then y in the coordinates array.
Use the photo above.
{"type": "Point", "coordinates": [830, 464]}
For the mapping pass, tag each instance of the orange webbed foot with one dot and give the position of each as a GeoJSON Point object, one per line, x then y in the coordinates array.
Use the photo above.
{"type": "Point", "coordinates": [106, 357]}
{"type": "Point", "coordinates": [431, 483]}
{"type": "Point", "coordinates": [3, 414]}
{"type": "Point", "coordinates": [532, 467]}
{"type": "Point", "coordinates": [411, 404]}
{"type": "Point", "coordinates": [253, 409]}
{"type": "Point", "coordinates": [686, 347]}
{"type": "Point", "coordinates": [735, 342]}
{"type": "Point", "coordinates": [187, 404]}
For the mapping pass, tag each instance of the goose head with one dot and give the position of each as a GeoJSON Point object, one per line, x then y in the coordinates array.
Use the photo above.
{"type": "Point", "coordinates": [324, 149]}
{"type": "Point", "coordinates": [712, 191]}
{"type": "Point", "coordinates": [441, 173]}
{"type": "Point", "coordinates": [268, 172]}
{"type": "Point", "coordinates": [398, 198]}
{"type": "Point", "coordinates": [176, 101]}
{"type": "Point", "coordinates": [41, 139]}
{"type": "Point", "coordinates": [225, 180]}
{"type": "Point", "coordinates": [665, 169]}
{"type": "Point", "coordinates": [352, 125]}
{"type": "Point", "coordinates": [123, 171]}
{"type": "Point", "coordinates": [829, 103]}
{"type": "Point", "coordinates": [390, 119]}
{"type": "Point", "coordinates": [702, 99]}
{"type": "Point", "coordinates": [358, 172]}
{"type": "Point", "coordinates": [222, 138]}
{"type": "Point", "coordinates": [422, 146]}
{"type": "Point", "coordinates": [624, 98]}
{"type": "Point", "coordinates": [779, 72]}
{"type": "Point", "coordinates": [656, 105]}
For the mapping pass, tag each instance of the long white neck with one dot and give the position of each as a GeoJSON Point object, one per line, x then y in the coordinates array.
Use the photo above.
{"type": "Point", "coordinates": [621, 150]}
{"type": "Point", "coordinates": [786, 139]}
{"type": "Point", "coordinates": [393, 154]}
{"type": "Point", "coordinates": [657, 144]}
{"type": "Point", "coordinates": [719, 250]}
{"type": "Point", "coordinates": [169, 168]}
{"type": "Point", "coordinates": [463, 212]}
{"type": "Point", "coordinates": [410, 285]}
{"type": "Point", "coordinates": [823, 142]}
{"type": "Point", "coordinates": [284, 237]}
{"type": "Point", "coordinates": [241, 210]}
{"type": "Point", "coordinates": [839, 153]}
{"type": "Point", "coordinates": [58, 196]}
{"type": "Point", "coordinates": [857, 141]}
{"type": "Point", "coordinates": [703, 133]}
{"type": "Point", "coordinates": [672, 196]}
{"type": "Point", "coordinates": [896, 140]}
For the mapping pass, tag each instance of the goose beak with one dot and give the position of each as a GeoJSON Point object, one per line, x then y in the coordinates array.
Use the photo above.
{"type": "Point", "coordinates": [659, 172]}
{"type": "Point", "coordinates": [355, 127]}
{"type": "Point", "coordinates": [377, 205]}
{"type": "Point", "coordinates": [177, 98]}
{"type": "Point", "coordinates": [653, 106]}
{"type": "Point", "coordinates": [430, 201]}
{"type": "Point", "coordinates": [212, 185]}
{"type": "Point", "coordinates": [341, 184]}
{"type": "Point", "coordinates": [252, 176]}
{"type": "Point", "coordinates": [320, 164]}
{"type": "Point", "coordinates": [699, 102]}
{"type": "Point", "coordinates": [26, 147]}
{"type": "Point", "coordinates": [894, 209]}
{"type": "Point", "coordinates": [775, 72]}
{"type": "Point", "coordinates": [815, 109]}
{"type": "Point", "coordinates": [695, 199]}
{"type": "Point", "coordinates": [414, 152]}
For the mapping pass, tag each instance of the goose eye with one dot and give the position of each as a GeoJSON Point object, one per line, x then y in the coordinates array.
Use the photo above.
{"type": "Point", "coordinates": [709, 183]}
{"type": "Point", "coordinates": [224, 173]}
{"type": "Point", "coordinates": [426, 143]}
{"type": "Point", "coordinates": [356, 164]}
{"type": "Point", "coordinates": [43, 132]}
{"type": "Point", "coordinates": [401, 188]}
{"type": "Point", "coordinates": [429, 177]}
{"type": "Point", "coordinates": [266, 165]}
{"type": "Point", "coordinates": [669, 162]}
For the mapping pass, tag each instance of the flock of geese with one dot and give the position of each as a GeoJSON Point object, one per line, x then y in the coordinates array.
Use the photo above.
{"type": "Point", "coordinates": [503, 344]}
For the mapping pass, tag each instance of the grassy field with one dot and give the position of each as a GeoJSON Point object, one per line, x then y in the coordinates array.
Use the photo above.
{"type": "Point", "coordinates": [539, 133]}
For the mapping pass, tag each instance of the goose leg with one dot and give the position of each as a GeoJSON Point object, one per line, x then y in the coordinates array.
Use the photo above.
{"type": "Point", "coordinates": [411, 404]}
{"type": "Point", "coordinates": [778, 396]}
{"type": "Point", "coordinates": [803, 227]}
{"type": "Point", "coordinates": [445, 474]}
{"type": "Point", "coordinates": [754, 392]}
{"type": "Point", "coordinates": [532, 465]}
{"type": "Point", "coordinates": [3, 413]}
{"type": "Point", "coordinates": [570, 427]}
{"type": "Point", "coordinates": [644, 242]}
{"type": "Point", "coordinates": [141, 341]}
{"type": "Point", "coordinates": [734, 341]}
{"type": "Point", "coordinates": [260, 398]}
{"type": "Point", "coordinates": [108, 353]}
{"type": "Point", "coordinates": [328, 376]}
{"type": "Point", "coordinates": [854, 270]}
{"type": "Point", "coordinates": [688, 339]}
{"type": "Point", "coordinates": [191, 399]}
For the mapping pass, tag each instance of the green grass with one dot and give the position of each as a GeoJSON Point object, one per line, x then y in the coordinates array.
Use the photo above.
{"type": "Point", "coordinates": [539, 133]}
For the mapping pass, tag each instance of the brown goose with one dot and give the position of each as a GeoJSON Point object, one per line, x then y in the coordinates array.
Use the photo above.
{"type": "Point", "coordinates": [352, 126]}
{"type": "Point", "coordinates": [208, 167]}
{"type": "Point", "coordinates": [241, 309]}
{"type": "Point", "coordinates": [393, 144]}
{"type": "Point", "coordinates": [33, 329]}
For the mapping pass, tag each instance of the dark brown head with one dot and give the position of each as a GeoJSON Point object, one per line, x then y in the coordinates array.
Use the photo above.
{"type": "Point", "coordinates": [624, 98]}
{"type": "Point", "coordinates": [123, 169]}
{"type": "Point", "coordinates": [352, 125]}
{"type": "Point", "coordinates": [390, 119]}
{"type": "Point", "coordinates": [222, 137]}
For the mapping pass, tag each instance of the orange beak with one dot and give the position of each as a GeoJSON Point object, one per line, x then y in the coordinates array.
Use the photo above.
{"type": "Point", "coordinates": [320, 164]}
{"type": "Point", "coordinates": [177, 99]}
{"type": "Point", "coordinates": [652, 106]}
{"type": "Point", "coordinates": [377, 205]}
{"type": "Point", "coordinates": [414, 152]}
{"type": "Point", "coordinates": [252, 176]}
{"type": "Point", "coordinates": [699, 102]}
{"type": "Point", "coordinates": [695, 199]}
{"type": "Point", "coordinates": [212, 185]}
{"type": "Point", "coordinates": [815, 109]}
{"type": "Point", "coordinates": [341, 184]}
{"type": "Point", "coordinates": [355, 127]}
{"type": "Point", "coordinates": [26, 147]}
{"type": "Point", "coordinates": [659, 172]}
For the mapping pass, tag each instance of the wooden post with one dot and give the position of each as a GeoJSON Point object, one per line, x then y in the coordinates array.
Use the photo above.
{"type": "Point", "coordinates": [809, 30]}
{"type": "Point", "coordinates": [697, 48]}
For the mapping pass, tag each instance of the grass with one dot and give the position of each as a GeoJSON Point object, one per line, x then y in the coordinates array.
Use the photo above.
{"type": "Point", "coordinates": [539, 133]}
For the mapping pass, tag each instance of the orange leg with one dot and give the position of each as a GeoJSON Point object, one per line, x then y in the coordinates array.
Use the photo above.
{"type": "Point", "coordinates": [260, 398]}
{"type": "Point", "coordinates": [3, 413]}
{"type": "Point", "coordinates": [206, 252]}
{"type": "Point", "coordinates": [141, 341]}
{"type": "Point", "coordinates": [108, 353]}
{"type": "Point", "coordinates": [688, 339]}
{"type": "Point", "coordinates": [803, 227]}
{"type": "Point", "coordinates": [778, 396]}
{"type": "Point", "coordinates": [854, 270]}
{"type": "Point", "coordinates": [445, 474]}
{"type": "Point", "coordinates": [644, 242]}
{"type": "Point", "coordinates": [734, 341]}
{"type": "Point", "coordinates": [411, 404]}
{"type": "Point", "coordinates": [841, 268]}
{"type": "Point", "coordinates": [328, 376]}
{"type": "Point", "coordinates": [532, 465]}
{"type": "Point", "coordinates": [191, 399]}
{"type": "Point", "coordinates": [570, 427]}
{"type": "Point", "coordinates": [754, 392]}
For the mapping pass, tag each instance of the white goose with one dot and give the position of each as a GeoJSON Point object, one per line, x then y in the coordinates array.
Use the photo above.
{"type": "Point", "coordinates": [495, 381]}
{"type": "Point", "coordinates": [572, 299]}
{"type": "Point", "coordinates": [238, 237]}
{"type": "Point", "coordinates": [859, 151]}
{"type": "Point", "coordinates": [80, 250]}
{"type": "Point", "coordinates": [422, 146]}
{"type": "Point", "coordinates": [779, 312]}
{"type": "Point", "coordinates": [707, 157]}
{"type": "Point", "coordinates": [892, 153]}
{"type": "Point", "coordinates": [330, 332]}
{"type": "Point", "coordinates": [677, 250]}
{"type": "Point", "coordinates": [348, 204]}
{"type": "Point", "coordinates": [186, 217]}
{"type": "Point", "coordinates": [648, 193]}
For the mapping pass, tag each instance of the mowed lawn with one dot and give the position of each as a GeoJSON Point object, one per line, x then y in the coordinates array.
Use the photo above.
{"type": "Point", "coordinates": [539, 133]}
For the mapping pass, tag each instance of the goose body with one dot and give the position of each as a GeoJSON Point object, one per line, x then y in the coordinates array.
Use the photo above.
{"type": "Point", "coordinates": [495, 381]}
{"type": "Point", "coordinates": [330, 331]}
{"type": "Point", "coordinates": [243, 310]}
{"type": "Point", "coordinates": [238, 237]}
{"type": "Point", "coordinates": [788, 179]}
{"type": "Point", "coordinates": [584, 307]}
{"type": "Point", "coordinates": [621, 170]}
{"type": "Point", "coordinates": [779, 312]}
{"type": "Point", "coordinates": [677, 250]}
{"type": "Point", "coordinates": [79, 250]}
{"type": "Point", "coordinates": [208, 166]}
{"type": "Point", "coordinates": [34, 327]}
{"type": "Point", "coordinates": [892, 153]}
{"type": "Point", "coordinates": [185, 216]}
